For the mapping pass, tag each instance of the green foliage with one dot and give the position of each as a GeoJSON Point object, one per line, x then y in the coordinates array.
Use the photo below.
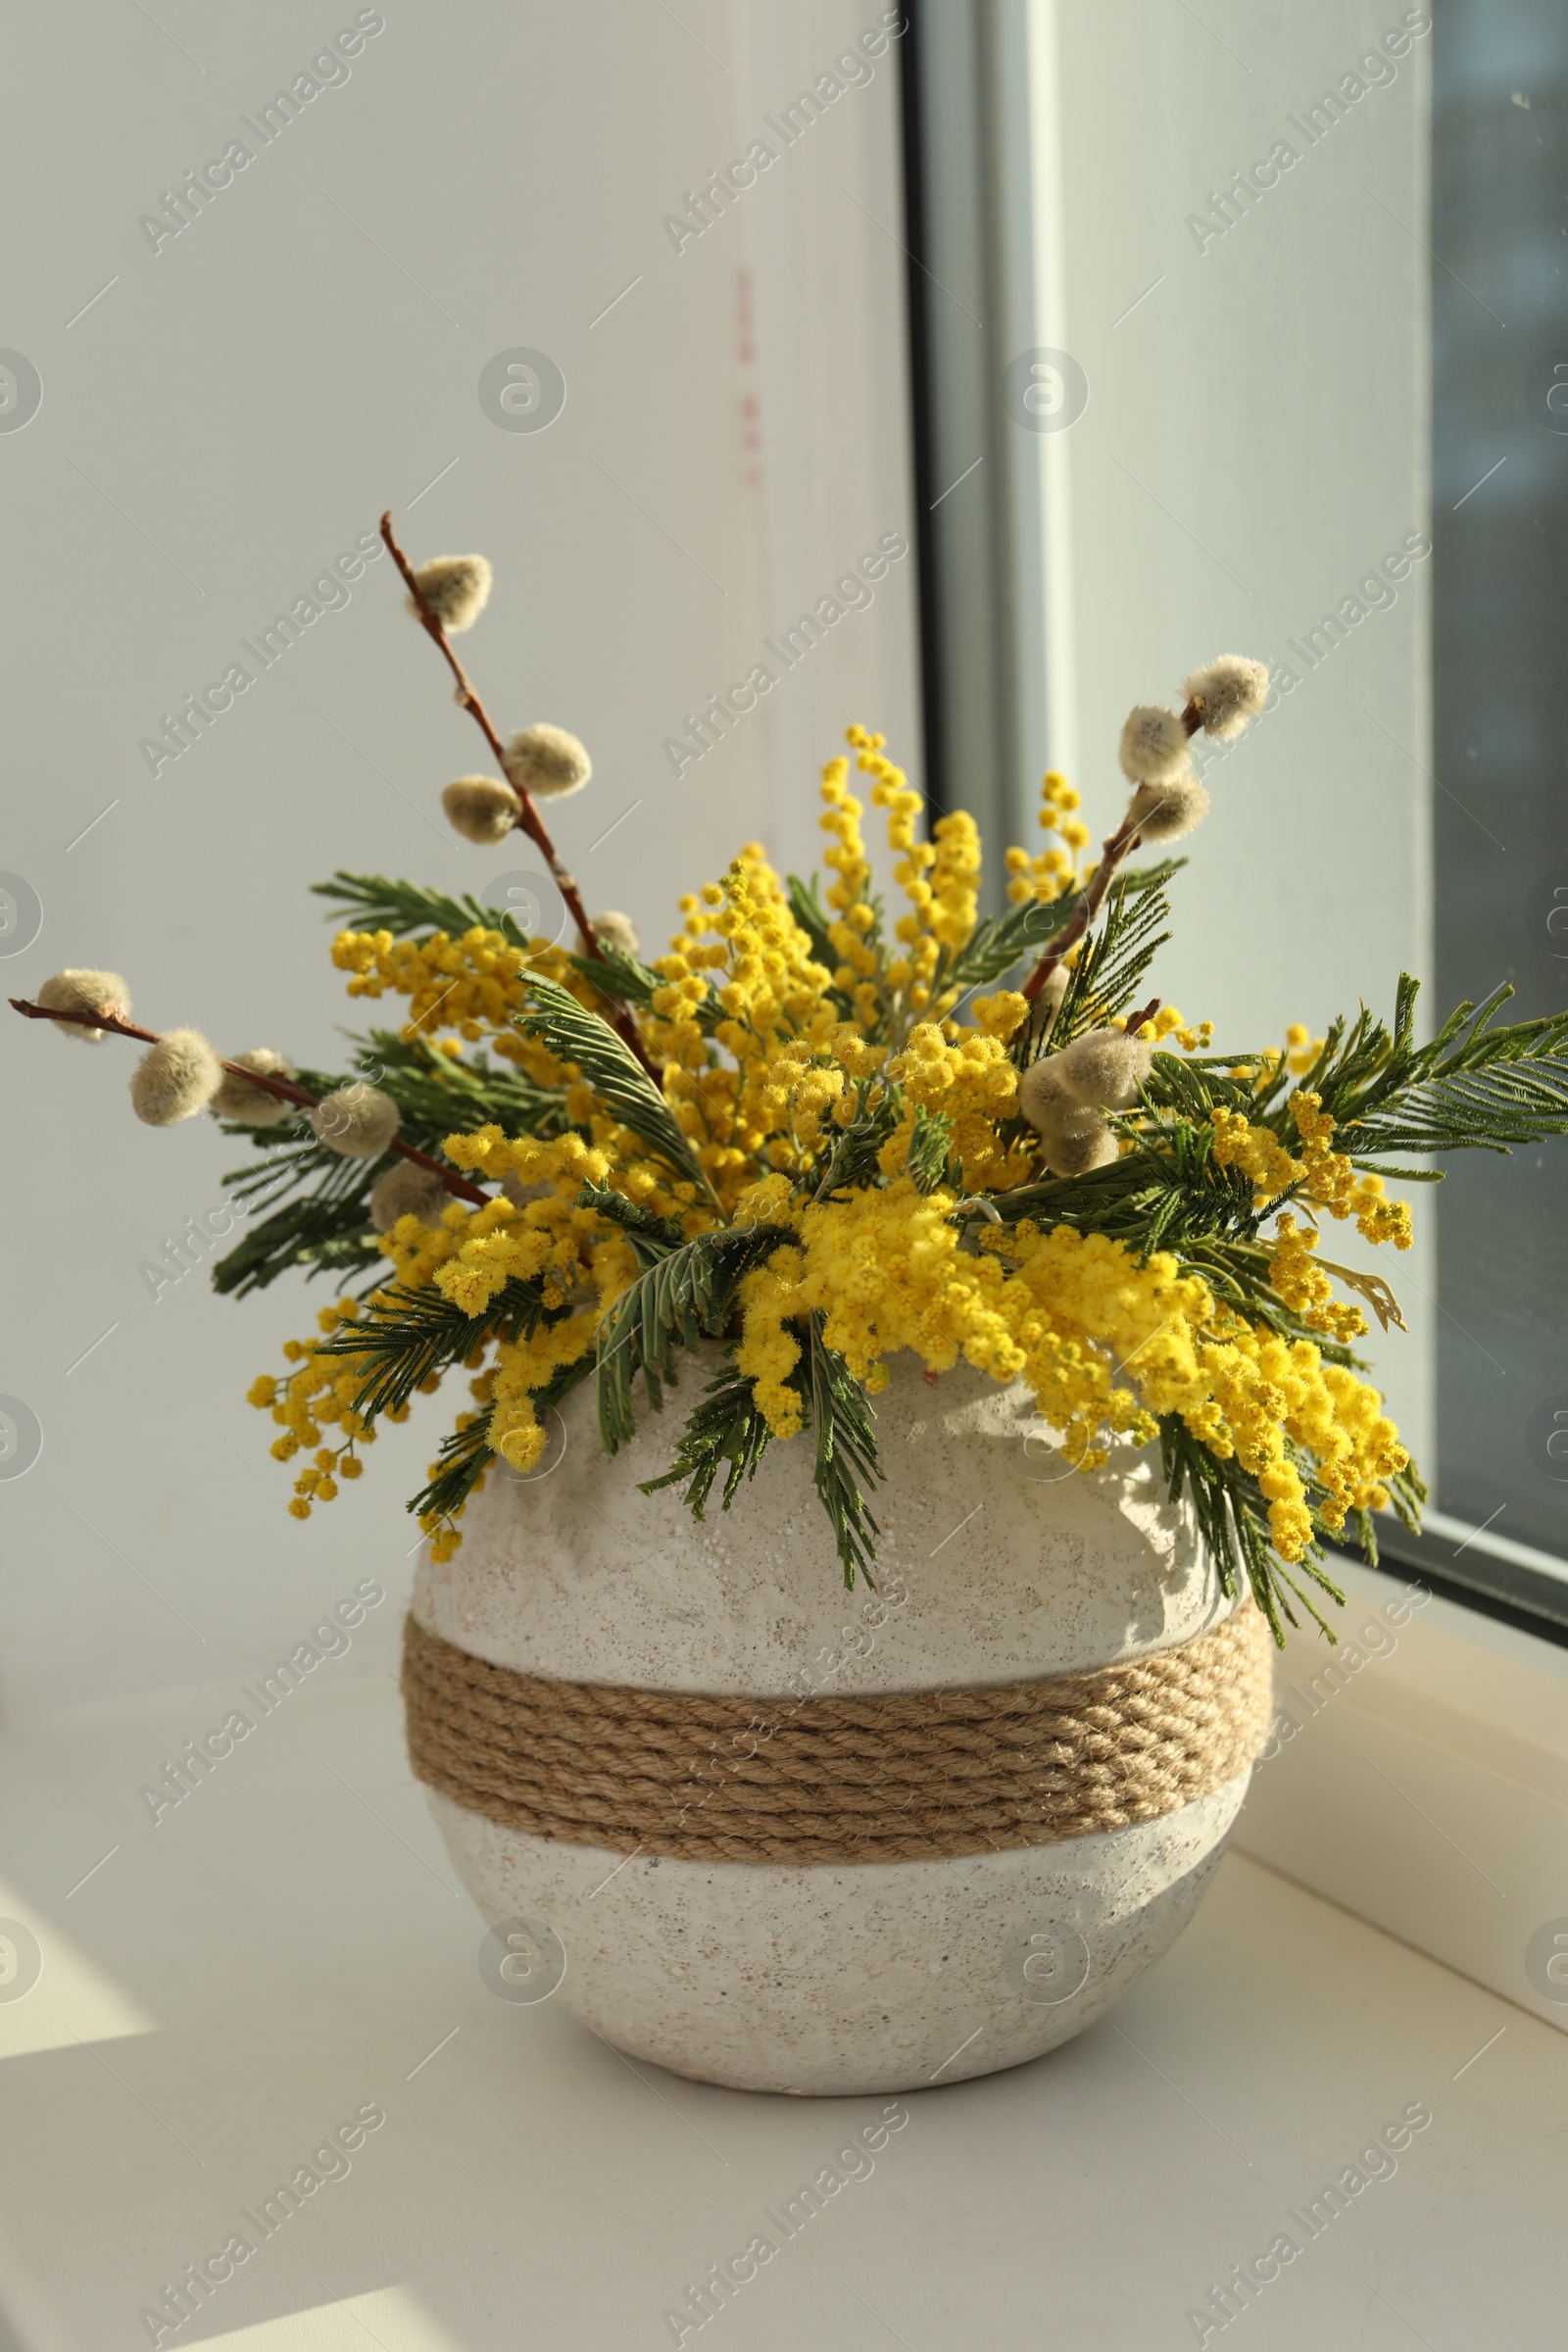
{"type": "Point", "coordinates": [411, 1335]}
{"type": "Point", "coordinates": [724, 1427]}
{"type": "Point", "coordinates": [318, 1215]}
{"type": "Point", "coordinates": [852, 1159]}
{"type": "Point", "coordinates": [1233, 1517]}
{"type": "Point", "coordinates": [650, 1235]}
{"type": "Point", "coordinates": [465, 1456]}
{"type": "Point", "coordinates": [444, 1094]}
{"type": "Point", "coordinates": [623, 979]}
{"type": "Point", "coordinates": [997, 944]}
{"type": "Point", "coordinates": [1022, 934]}
{"type": "Point", "coordinates": [684, 1293]}
{"type": "Point", "coordinates": [1473, 1088]}
{"type": "Point", "coordinates": [929, 1148]}
{"type": "Point", "coordinates": [313, 1205]}
{"type": "Point", "coordinates": [1114, 963]}
{"type": "Point", "coordinates": [462, 1460]}
{"type": "Point", "coordinates": [373, 903]}
{"type": "Point", "coordinates": [845, 1467]}
{"type": "Point", "coordinates": [812, 916]}
{"type": "Point", "coordinates": [579, 1036]}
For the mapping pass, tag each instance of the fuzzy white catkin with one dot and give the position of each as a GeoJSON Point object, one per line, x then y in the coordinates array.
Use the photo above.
{"type": "Point", "coordinates": [1166, 811]}
{"type": "Point", "coordinates": [1077, 1150]}
{"type": "Point", "coordinates": [1153, 744]}
{"type": "Point", "coordinates": [1043, 1100]}
{"type": "Point", "coordinates": [236, 1099]}
{"type": "Point", "coordinates": [175, 1078]}
{"type": "Point", "coordinates": [1104, 1068]}
{"type": "Point", "coordinates": [1073, 1134]}
{"type": "Point", "coordinates": [616, 931]}
{"type": "Point", "coordinates": [481, 808]}
{"type": "Point", "coordinates": [456, 588]}
{"type": "Point", "coordinates": [85, 992]}
{"type": "Point", "coordinates": [547, 763]}
{"type": "Point", "coordinates": [357, 1120]}
{"type": "Point", "coordinates": [406, 1190]}
{"type": "Point", "coordinates": [1229, 692]}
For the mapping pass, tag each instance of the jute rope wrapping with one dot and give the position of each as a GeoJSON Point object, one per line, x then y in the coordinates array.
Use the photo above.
{"type": "Point", "coordinates": [907, 1777]}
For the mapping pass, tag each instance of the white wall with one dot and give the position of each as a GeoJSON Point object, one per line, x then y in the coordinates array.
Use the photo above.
{"type": "Point", "coordinates": [227, 417]}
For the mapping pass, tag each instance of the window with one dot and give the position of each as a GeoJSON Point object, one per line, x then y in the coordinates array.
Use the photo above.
{"type": "Point", "coordinates": [1214, 357]}
{"type": "Point", "coordinates": [1500, 484]}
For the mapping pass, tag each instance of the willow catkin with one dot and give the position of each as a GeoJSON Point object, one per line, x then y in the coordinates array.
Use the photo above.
{"type": "Point", "coordinates": [1043, 1097]}
{"type": "Point", "coordinates": [175, 1078]}
{"type": "Point", "coordinates": [1104, 1068]}
{"type": "Point", "coordinates": [616, 931]}
{"type": "Point", "coordinates": [406, 1190]}
{"type": "Point", "coordinates": [481, 808]}
{"type": "Point", "coordinates": [547, 763]}
{"type": "Point", "coordinates": [357, 1120]}
{"type": "Point", "coordinates": [1153, 744]}
{"type": "Point", "coordinates": [456, 589]}
{"type": "Point", "coordinates": [1076, 1147]}
{"type": "Point", "coordinates": [85, 992]}
{"type": "Point", "coordinates": [1074, 1137]}
{"type": "Point", "coordinates": [1228, 693]}
{"type": "Point", "coordinates": [1166, 811]}
{"type": "Point", "coordinates": [252, 1105]}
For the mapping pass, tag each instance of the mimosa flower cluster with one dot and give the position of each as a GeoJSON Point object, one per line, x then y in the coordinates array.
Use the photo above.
{"type": "Point", "coordinates": [829, 1125]}
{"type": "Point", "coordinates": [776, 1039]}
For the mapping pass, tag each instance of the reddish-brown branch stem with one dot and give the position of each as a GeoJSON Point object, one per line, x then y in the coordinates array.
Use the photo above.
{"type": "Point", "coordinates": [529, 820]}
{"type": "Point", "coordinates": [1117, 849]}
{"type": "Point", "coordinates": [1136, 1020]}
{"type": "Point", "coordinates": [283, 1088]}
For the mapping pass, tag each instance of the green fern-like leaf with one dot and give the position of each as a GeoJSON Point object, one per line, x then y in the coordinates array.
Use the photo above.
{"type": "Point", "coordinates": [1111, 966]}
{"type": "Point", "coordinates": [813, 919]}
{"type": "Point", "coordinates": [411, 1335]}
{"type": "Point", "coordinates": [1233, 1516]}
{"type": "Point", "coordinates": [377, 904]}
{"type": "Point", "coordinates": [650, 1236]}
{"type": "Point", "coordinates": [683, 1295]}
{"type": "Point", "coordinates": [466, 1454]}
{"type": "Point", "coordinates": [725, 1428]}
{"type": "Point", "coordinates": [929, 1148]}
{"type": "Point", "coordinates": [845, 1466]}
{"type": "Point", "coordinates": [853, 1157]}
{"type": "Point", "coordinates": [463, 1457]}
{"type": "Point", "coordinates": [577, 1036]}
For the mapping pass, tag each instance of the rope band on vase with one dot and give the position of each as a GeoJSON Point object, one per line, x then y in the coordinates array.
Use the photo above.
{"type": "Point", "coordinates": [901, 1777]}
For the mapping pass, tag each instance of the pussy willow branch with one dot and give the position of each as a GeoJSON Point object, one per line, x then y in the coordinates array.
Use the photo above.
{"type": "Point", "coordinates": [1119, 847]}
{"type": "Point", "coordinates": [283, 1088]}
{"type": "Point", "coordinates": [529, 820]}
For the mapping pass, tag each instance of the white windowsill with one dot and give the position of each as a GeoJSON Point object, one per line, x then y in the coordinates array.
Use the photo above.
{"type": "Point", "coordinates": [231, 1985]}
{"type": "Point", "coordinates": [1426, 1788]}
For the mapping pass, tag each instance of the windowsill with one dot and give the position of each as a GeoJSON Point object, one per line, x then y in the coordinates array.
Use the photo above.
{"type": "Point", "coordinates": [231, 1985]}
{"type": "Point", "coordinates": [1425, 1788]}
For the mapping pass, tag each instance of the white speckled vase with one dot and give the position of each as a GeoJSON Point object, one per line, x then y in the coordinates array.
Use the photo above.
{"type": "Point", "coordinates": [874, 1977]}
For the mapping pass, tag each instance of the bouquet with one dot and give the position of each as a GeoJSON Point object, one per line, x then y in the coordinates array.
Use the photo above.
{"type": "Point", "coordinates": [825, 1126]}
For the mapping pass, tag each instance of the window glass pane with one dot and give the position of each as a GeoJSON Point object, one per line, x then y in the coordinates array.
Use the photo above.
{"type": "Point", "coordinates": [1500, 461]}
